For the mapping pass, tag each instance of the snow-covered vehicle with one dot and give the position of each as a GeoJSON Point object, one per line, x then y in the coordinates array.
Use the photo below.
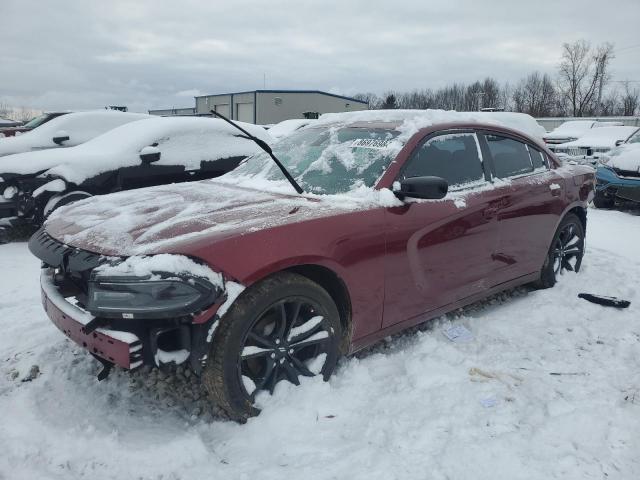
{"type": "Point", "coordinates": [399, 217]}
{"type": "Point", "coordinates": [618, 175]}
{"type": "Point", "coordinates": [67, 131]}
{"type": "Point", "coordinates": [594, 144]}
{"type": "Point", "coordinates": [19, 129]}
{"type": "Point", "coordinates": [568, 132]}
{"type": "Point", "coordinates": [287, 127]}
{"type": "Point", "coordinates": [152, 151]}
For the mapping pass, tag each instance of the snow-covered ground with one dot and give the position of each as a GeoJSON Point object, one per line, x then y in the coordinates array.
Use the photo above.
{"type": "Point", "coordinates": [549, 387]}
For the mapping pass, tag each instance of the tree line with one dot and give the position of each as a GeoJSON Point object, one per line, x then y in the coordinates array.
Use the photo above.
{"type": "Point", "coordinates": [581, 87]}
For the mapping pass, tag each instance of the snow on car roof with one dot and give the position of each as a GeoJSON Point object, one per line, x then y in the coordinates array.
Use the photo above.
{"type": "Point", "coordinates": [183, 141]}
{"type": "Point", "coordinates": [410, 121]}
{"type": "Point", "coordinates": [602, 137]}
{"type": "Point", "coordinates": [80, 126]}
{"type": "Point", "coordinates": [287, 127]}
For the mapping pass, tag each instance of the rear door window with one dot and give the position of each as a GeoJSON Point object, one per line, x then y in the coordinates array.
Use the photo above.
{"type": "Point", "coordinates": [510, 157]}
{"type": "Point", "coordinates": [537, 158]}
{"type": "Point", "coordinates": [454, 157]}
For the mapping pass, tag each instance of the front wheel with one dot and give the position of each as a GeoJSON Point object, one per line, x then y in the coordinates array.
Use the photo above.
{"type": "Point", "coordinates": [283, 328]}
{"type": "Point", "coordinates": [565, 253]}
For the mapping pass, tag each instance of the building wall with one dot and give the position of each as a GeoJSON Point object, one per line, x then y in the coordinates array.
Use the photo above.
{"type": "Point", "coordinates": [167, 112]}
{"type": "Point", "coordinates": [293, 105]}
{"type": "Point", "coordinates": [273, 107]}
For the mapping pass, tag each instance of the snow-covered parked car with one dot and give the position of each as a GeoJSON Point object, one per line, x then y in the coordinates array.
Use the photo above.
{"type": "Point", "coordinates": [568, 132]}
{"type": "Point", "coordinates": [152, 151]}
{"type": "Point", "coordinates": [287, 127]}
{"type": "Point", "coordinates": [594, 144]}
{"type": "Point", "coordinates": [30, 125]}
{"type": "Point", "coordinates": [618, 175]}
{"type": "Point", "coordinates": [67, 131]}
{"type": "Point", "coordinates": [399, 218]}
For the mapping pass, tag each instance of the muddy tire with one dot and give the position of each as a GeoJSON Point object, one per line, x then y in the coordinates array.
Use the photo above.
{"type": "Point", "coordinates": [281, 328]}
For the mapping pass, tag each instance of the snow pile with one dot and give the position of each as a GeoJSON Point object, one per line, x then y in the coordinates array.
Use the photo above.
{"type": "Point", "coordinates": [181, 141]}
{"type": "Point", "coordinates": [139, 266]}
{"type": "Point", "coordinates": [548, 387]}
{"type": "Point", "coordinates": [287, 127]}
{"type": "Point", "coordinates": [81, 127]}
{"type": "Point", "coordinates": [413, 120]}
{"type": "Point", "coordinates": [626, 157]}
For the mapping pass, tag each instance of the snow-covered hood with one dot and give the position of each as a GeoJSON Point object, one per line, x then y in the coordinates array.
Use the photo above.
{"type": "Point", "coordinates": [603, 137]}
{"type": "Point", "coordinates": [626, 157]}
{"type": "Point", "coordinates": [158, 219]}
{"type": "Point", "coordinates": [574, 129]}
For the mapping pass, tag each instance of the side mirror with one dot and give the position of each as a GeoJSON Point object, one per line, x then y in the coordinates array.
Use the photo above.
{"type": "Point", "coordinates": [60, 137]}
{"type": "Point", "coordinates": [149, 155]}
{"type": "Point", "coordinates": [619, 142]}
{"type": "Point", "coordinates": [432, 188]}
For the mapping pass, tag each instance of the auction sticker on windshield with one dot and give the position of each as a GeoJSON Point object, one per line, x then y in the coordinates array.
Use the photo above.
{"type": "Point", "coordinates": [370, 143]}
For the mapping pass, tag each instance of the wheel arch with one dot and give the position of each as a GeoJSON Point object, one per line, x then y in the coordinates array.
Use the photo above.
{"type": "Point", "coordinates": [337, 289]}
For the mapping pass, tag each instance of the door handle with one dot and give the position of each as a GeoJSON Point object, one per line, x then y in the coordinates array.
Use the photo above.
{"type": "Point", "coordinates": [556, 189]}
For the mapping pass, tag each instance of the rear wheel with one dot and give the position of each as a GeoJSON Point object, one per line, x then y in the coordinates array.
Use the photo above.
{"type": "Point", "coordinates": [565, 253]}
{"type": "Point", "coordinates": [601, 201]}
{"type": "Point", "coordinates": [284, 328]}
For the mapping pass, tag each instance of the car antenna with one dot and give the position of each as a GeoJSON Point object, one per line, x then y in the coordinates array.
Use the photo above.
{"type": "Point", "coordinates": [264, 146]}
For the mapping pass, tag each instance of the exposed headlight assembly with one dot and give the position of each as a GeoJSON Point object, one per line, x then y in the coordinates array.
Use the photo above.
{"type": "Point", "coordinates": [10, 192]}
{"type": "Point", "coordinates": [149, 297]}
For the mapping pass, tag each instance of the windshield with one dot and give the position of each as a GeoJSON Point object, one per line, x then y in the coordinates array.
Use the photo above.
{"type": "Point", "coordinates": [635, 138]}
{"type": "Point", "coordinates": [36, 122]}
{"type": "Point", "coordinates": [327, 159]}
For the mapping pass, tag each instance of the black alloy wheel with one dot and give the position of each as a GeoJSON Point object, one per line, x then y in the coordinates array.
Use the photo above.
{"type": "Point", "coordinates": [283, 328]}
{"type": "Point", "coordinates": [565, 253]}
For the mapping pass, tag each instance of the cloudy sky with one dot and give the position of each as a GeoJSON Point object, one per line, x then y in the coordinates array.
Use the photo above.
{"type": "Point", "coordinates": [78, 54]}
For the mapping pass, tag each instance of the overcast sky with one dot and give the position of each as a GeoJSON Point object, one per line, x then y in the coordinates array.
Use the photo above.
{"type": "Point", "coordinates": [79, 54]}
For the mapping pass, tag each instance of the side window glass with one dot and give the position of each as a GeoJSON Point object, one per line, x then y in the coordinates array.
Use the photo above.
{"type": "Point", "coordinates": [537, 159]}
{"type": "Point", "coordinates": [454, 157]}
{"type": "Point", "coordinates": [510, 157]}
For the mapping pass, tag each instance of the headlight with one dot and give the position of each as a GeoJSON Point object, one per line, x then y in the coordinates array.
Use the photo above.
{"type": "Point", "coordinates": [149, 297]}
{"type": "Point", "coordinates": [10, 192]}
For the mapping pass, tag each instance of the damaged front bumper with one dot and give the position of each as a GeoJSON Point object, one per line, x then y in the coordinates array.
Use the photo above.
{"type": "Point", "coordinates": [126, 342]}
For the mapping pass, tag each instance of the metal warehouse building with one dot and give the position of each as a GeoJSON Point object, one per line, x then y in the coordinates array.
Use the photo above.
{"type": "Point", "coordinates": [265, 107]}
{"type": "Point", "coordinates": [169, 112]}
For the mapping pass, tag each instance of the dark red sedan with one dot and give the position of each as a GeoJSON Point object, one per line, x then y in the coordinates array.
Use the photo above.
{"type": "Point", "coordinates": [250, 283]}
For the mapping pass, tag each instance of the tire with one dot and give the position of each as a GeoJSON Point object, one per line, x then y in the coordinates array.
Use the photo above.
{"type": "Point", "coordinates": [600, 201]}
{"type": "Point", "coordinates": [565, 253]}
{"type": "Point", "coordinates": [256, 344]}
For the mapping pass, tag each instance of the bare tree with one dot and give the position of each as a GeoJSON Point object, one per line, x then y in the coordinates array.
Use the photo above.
{"type": "Point", "coordinates": [630, 100]}
{"type": "Point", "coordinates": [5, 110]}
{"type": "Point", "coordinates": [24, 114]}
{"type": "Point", "coordinates": [535, 95]}
{"type": "Point", "coordinates": [583, 75]}
{"type": "Point", "coordinates": [373, 101]}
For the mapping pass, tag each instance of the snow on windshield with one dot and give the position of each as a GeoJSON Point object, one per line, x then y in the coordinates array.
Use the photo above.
{"type": "Point", "coordinates": [327, 160]}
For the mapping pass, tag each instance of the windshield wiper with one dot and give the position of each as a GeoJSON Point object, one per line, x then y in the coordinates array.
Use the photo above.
{"type": "Point", "coordinates": [264, 146]}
